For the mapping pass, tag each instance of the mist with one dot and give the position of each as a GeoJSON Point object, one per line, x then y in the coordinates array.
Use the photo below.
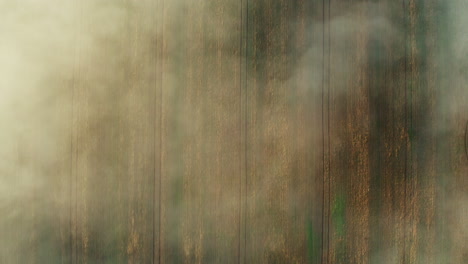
{"type": "Point", "coordinates": [233, 131]}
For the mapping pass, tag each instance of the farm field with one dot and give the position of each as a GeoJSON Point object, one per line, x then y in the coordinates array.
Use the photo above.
{"type": "Point", "coordinates": [234, 131]}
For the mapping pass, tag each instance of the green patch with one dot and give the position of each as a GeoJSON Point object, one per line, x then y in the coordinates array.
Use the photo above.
{"type": "Point", "coordinates": [339, 225]}
{"type": "Point", "coordinates": [338, 215]}
{"type": "Point", "coordinates": [313, 244]}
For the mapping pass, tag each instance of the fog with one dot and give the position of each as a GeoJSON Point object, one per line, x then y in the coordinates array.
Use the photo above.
{"type": "Point", "coordinates": [200, 131]}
